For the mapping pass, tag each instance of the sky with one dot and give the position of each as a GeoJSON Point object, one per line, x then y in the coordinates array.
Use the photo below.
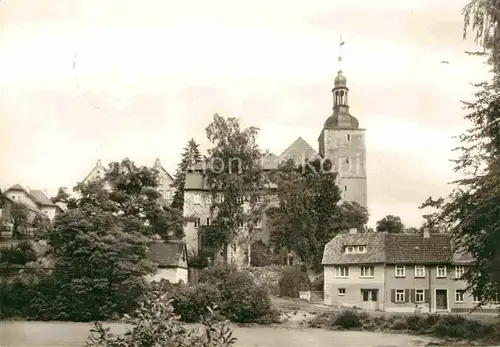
{"type": "Point", "coordinates": [83, 80]}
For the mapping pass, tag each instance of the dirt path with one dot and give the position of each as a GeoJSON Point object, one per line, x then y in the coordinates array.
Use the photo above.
{"type": "Point", "coordinates": [45, 334]}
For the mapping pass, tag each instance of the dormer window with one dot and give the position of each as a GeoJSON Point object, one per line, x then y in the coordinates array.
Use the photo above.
{"type": "Point", "coordinates": [355, 249]}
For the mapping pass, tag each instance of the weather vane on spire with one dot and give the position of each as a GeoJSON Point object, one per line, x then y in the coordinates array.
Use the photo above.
{"type": "Point", "coordinates": [341, 43]}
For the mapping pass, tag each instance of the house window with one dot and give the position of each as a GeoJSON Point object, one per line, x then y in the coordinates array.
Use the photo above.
{"type": "Point", "coordinates": [349, 249]}
{"type": "Point", "coordinates": [342, 271]}
{"type": "Point", "coordinates": [361, 249]}
{"type": "Point", "coordinates": [238, 200]}
{"type": "Point", "coordinates": [240, 224]}
{"type": "Point", "coordinates": [419, 271]}
{"type": "Point", "coordinates": [341, 291]}
{"type": "Point", "coordinates": [419, 295]}
{"type": "Point", "coordinates": [441, 271]}
{"type": "Point", "coordinates": [400, 295]}
{"type": "Point", "coordinates": [400, 271]}
{"type": "Point", "coordinates": [258, 199]}
{"type": "Point", "coordinates": [476, 298]}
{"type": "Point", "coordinates": [208, 220]}
{"type": "Point", "coordinates": [459, 295]}
{"type": "Point", "coordinates": [347, 160]}
{"type": "Point", "coordinates": [366, 271]}
{"type": "Point", "coordinates": [345, 188]}
{"type": "Point", "coordinates": [348, 137]}
{"type": "Point", "coordinates": [197, 199]}
{"type": "Point", "coordinates": [258, 224]}
{"type": "Point", "coordinates": [197, 223]}
{"type": "Point", "coordinates": [209, 199]}
{"type": "Point", "coordinates": [459, 271]}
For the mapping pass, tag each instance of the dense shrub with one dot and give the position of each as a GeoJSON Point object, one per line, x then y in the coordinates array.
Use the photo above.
{"type": "Point", "coordinates": [453, 326]}
{"type": "Point", "coordinates": [191, 303]}
{"type": "Point", "coordinates": [292, 280]}
{"type": "Point", "coordinates": [348, 320]}
{"type": "Point", "coordinates": [237, 294]}
{"type": "Point", "coordinates": [18, 254]}
{"type": "Point", "coordinates": [155, 324]}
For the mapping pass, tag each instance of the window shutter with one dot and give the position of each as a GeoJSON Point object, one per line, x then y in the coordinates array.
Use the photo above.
{"type": "Point", "coordinates": [393, 295]}
{"type": "Point", "coordinates": [407, 295]}
{"type": "Point", "coordinates": [427, 296]}
{"type": "Point", "coordinates": [412, 297]}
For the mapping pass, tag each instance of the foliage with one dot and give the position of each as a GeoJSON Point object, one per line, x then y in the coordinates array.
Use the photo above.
{"type": "Point", "coordinates": [352, 215]}
{"type": "Point", "coordinates": [130, 191]}
{"type": "Point", "coordinates": [391, 224]}
{"type": "Point", "coordinates": [451, 326]}
{"type": "Point", "coordinates": [293, 280]}
{"type": "Point", "coordinates": [19, 217]}
{"type": "Point", "coordinates": [190, 157]}
{"type": "Point", "coordinates": [307, 216]}
{"type": "Point", "coordinates": [18, 254]}
{"type": "Point", "coordinates": [241, 299]}
{"type": "Point", "coordinates": [61, 196]}
{"type": "Point", "coordinates": [157, 325]}
{"type": "Point", "coordinates": [234, 176]}
{"type": "Point", "coordinates": [191, 303]}
{"type": "Point", "coordinates": [470, 213]}
{"type": "Point", "coordinates": [262, 255]}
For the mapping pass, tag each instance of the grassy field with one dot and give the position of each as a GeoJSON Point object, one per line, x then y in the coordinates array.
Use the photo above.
{"type": "Point", "coordinates": [56, 334]}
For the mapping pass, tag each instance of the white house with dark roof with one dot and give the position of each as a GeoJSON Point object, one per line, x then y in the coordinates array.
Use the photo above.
{"type": "Point", "coordinates": [171, 260]}
{"type": "Point", "coordinates": [398, 273]}
{"type": "Point", "coordinates": [341, 140]}
{"type": "Point", "coordinates": [36, 200]}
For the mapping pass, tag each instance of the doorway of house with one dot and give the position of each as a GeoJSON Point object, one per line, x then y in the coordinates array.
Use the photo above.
{"type": "Point", "coordinates": [369, 299]}
{"type": "Point", "coordinates": [441, 299]}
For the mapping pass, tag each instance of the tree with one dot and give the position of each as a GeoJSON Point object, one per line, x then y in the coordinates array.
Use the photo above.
{"type": "Point", "coordinates": [307, 215]}
{"type": "Point", "coordinates": [101, 244]}
{"type": "Point", "coordinates": [235, 177]}
{"type": "Point", "coordinates": [190, 157]}
{"type": "Point", "coordinates": [353, 215]}
{"type": "Point", "coordinates": [412, 230]}
{"type": "Point", "coordinates": [470, 213]}
{"type": "Point", "coordinates": [390, 224]}
{"type": "Point", "coordinates": [132, 193]}
{"type": "Point", "coordinates": [61, 196]}
{"type": "Point", "coordinates": [19, 217]}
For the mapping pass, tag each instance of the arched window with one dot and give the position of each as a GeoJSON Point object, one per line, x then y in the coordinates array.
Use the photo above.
{"type": "Point", "coordinates": [341, 101]}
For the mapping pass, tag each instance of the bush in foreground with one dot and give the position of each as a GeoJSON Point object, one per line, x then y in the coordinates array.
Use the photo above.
{"type": "Point", "coordinates": [445, 326]}
{"type": "Point", "coordinates": [234, 291]}
{"type": "Point", "coordinates": [155, 324]}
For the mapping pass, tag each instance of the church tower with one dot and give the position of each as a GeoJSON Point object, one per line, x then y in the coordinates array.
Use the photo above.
{"type": "Point", "coordinates": [343, 142]}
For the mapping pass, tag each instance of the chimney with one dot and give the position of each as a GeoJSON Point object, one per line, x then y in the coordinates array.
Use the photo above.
{"type": "Point", "coordinates": [426, 233]}
{"type": "Point", "coordinates": [353, 230]}
{"type": "Point", "coordinates": [99, 163]}
{"type": "Point", "coordinates": [27, 188]}
{"type": "Point", "coordinates": [45, 192]}
{"type": "Point", "coordinates": [157, 162]}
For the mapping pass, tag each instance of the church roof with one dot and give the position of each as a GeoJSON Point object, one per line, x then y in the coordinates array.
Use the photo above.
{"type": "Point", "coordinates": [299, 151]}
{"type": "Point", "coordinates": [341, 120]}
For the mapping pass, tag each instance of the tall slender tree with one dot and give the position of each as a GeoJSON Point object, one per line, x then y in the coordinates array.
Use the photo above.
{"type": "Point", "coordinates": [234, 176]}
{"type": "Point", "coordinates": [471, 213]}
{"type": "Point", "coordinates": [190, 157]}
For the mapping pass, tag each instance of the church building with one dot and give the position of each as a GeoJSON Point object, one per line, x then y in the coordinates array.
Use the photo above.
{"type": "Point", "coordinates": [341, 140]}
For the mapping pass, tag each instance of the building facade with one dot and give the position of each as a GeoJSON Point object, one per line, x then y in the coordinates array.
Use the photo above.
{"type": "Point", "coordinates": [341, 141]}
{"type": "Point", "coordinates": [397, 273]}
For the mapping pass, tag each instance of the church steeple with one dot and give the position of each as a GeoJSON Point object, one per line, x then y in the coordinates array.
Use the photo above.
{"type": "Point", "coordinates": [340, 90]}
{"type": "Point", "coordinates": [341, 118]}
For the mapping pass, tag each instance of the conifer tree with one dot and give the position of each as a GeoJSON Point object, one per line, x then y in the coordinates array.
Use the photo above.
{"type": "Point", "coordinates": [190, 157]}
